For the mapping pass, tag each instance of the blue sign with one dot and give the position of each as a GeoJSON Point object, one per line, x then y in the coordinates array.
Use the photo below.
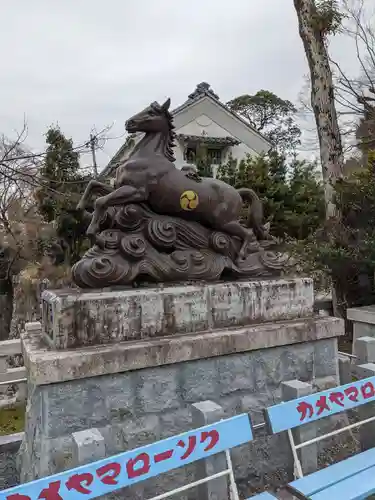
{"type": "Point", "coordinates": [307, 409]}
{"type": "Point", "coordinates": [125, 469]}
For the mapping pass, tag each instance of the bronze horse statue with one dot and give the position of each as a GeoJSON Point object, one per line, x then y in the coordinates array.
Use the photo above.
{"type": "Point", "coordinates": [149, 175]}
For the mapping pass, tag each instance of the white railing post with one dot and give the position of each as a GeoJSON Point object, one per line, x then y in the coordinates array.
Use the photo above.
{"type": "Point", "coordinates": [3, 372]}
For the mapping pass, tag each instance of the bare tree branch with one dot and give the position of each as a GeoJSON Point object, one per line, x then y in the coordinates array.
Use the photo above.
{"type": "Point", "coordinates": [20, 224]}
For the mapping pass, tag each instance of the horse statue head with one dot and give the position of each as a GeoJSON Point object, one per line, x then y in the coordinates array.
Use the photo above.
{"type": "Point", "coordinates": [155, 119]}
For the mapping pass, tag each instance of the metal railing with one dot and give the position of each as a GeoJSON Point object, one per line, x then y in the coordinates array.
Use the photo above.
{"type": "Point", "coordinates": [12, 376]}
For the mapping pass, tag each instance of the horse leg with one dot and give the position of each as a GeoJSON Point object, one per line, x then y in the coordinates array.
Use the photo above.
{"type": "Point", "coordinates": [93, 186]}
{"type": "Point", "coordinates": [121, 196]}
{"type": "Point", "coordinates": [234, 228]}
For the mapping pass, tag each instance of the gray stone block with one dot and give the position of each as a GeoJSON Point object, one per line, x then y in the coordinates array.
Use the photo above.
{"type": "Point", "coordinates": [365, 370]}
{"type": "Point", "coordinates": [297, 362]}
{"type": "Point", "coordinates": [156, 390]}
{"type": "Point", "coordinates": [63, 454]}
{"type": "Point", "coordinates": [365, 350]}
{"type": "Point", "coordinates": [199, 381]}
{"type": "Point", "coordinates": [88, 446]}
{"type": "Point", "coordinates": [325, 357]}
{"type": "Point", "coordinates": [231, 404]}
{"type": "Point", "coordinates": [119, 393]}
{"type": "Point", "coordinates": [236, 373]}
{"type": "Point", "coordinates": [267, 370]}
{"type": "Point", "coordinates": [362, 330]}
{"type": "Point", "coordinates": [324, 383]}
{"type": "Point", "coordinates": [364, 314]}
{"type": "Point", "coordinates": [114, 439]}
{"type": "Point", "coordinates": [294, 389]}
{"type": "Point", "coordinates": [74, 406]}
{"type": "Point", "coordinates": [141, 431]}
{"type": "Point", "coordinates": [175, 422]}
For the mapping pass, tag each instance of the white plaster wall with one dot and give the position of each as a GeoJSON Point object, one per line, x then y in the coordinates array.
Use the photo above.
{"type": "Point", "coordinates": [186, 122]}
{"type": "Point", "coordinates": [203, 125]}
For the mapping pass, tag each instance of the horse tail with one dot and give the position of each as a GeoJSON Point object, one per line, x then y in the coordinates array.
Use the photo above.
{"type": "Point", "coordinates": [255, 215]}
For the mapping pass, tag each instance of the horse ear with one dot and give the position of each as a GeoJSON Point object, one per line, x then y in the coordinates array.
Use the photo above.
{"type": "Point", "coordinates": [166, 105]}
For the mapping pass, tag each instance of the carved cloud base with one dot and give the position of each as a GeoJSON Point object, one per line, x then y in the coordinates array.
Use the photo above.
{"type": "Point", "coordinates": [138, 245]}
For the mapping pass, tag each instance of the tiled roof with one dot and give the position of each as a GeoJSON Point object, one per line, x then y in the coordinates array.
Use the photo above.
{"type": "Point", "coordinates": [225, 141]}
{"type": "Point", "coordinates": [202, 89]}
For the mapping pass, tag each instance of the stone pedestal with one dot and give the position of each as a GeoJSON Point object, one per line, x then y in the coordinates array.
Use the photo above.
{"type": "Point", "coordinates": [72, 318]}
{"type": "Point", "coordinates": [144, 357]}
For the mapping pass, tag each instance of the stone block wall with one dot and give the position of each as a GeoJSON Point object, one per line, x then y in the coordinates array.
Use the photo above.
{"type": "Point", "coordinates": [138, 407]}
{"type": "Point", "coordinates": [9, 447]}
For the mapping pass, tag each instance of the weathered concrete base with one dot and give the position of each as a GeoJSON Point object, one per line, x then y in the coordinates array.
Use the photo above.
{"type": "Point", "coordinates": [138, 392]}
{"type": "Point", "coordinates": [72, 318]}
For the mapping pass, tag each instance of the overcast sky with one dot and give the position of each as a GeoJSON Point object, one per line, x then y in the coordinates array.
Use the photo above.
{"type": "Point", "coordinates": [91, 63]}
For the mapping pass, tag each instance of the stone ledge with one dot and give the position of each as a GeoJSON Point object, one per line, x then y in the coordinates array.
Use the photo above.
{"type": "Point", "coordinates": [11, 441]}
{"type": "Point", "coordinates": [365, 314]}
{"type": "Point", "coordinates": [45, 366]}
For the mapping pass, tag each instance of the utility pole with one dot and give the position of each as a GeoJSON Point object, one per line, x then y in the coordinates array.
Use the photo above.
{"type": "Point", "coordinates": [93, 143]}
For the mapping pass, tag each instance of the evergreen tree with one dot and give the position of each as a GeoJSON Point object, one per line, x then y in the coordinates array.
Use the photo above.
{"type": "Point", "coordinates": [61, 185]}
{"type": "Point", "coordinates": [304, 209]}
{"type": "Point", "coordinates": [349, 257]}
{"type": "Point", "coordinates": [291, 193]}
{"type": "Point", "coordinates": [203, 162]}
{"type": "Point", "coordinates": [59, 173]}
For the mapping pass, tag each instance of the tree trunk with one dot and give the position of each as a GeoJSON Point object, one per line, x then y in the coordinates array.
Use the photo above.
{"type": "Point", "coordinates": [323, 104]}
{"type": "Point", "coordinates": [322, 100]}
{"type": "Point", "coordinates": [6, 307]}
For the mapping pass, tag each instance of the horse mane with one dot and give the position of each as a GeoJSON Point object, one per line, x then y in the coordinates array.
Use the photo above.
{"type": "Point", "coordinates": [169, 143]}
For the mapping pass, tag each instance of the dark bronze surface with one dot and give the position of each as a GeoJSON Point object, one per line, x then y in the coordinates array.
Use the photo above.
{"type": "Point", "coordinates": [167, 224]}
